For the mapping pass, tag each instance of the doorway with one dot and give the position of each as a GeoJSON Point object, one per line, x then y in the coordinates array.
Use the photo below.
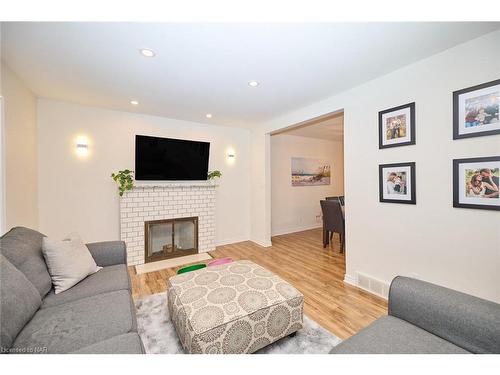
{"type": "Point", "coordinates": [307, 166]}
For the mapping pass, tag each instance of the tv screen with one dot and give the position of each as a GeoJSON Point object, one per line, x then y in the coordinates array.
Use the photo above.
{"type": "Point", "coordinates": [170, 159]}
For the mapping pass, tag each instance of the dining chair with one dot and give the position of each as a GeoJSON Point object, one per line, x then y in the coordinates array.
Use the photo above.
{"type": "Point", "coordinates": [332, 198]}
{"type": "Point", "coordinates": [340, 198]}
{"type": "Point", "coordinates": [333, 222]}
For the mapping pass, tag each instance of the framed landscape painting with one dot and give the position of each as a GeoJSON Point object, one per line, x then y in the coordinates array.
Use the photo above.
{"type": "Point", "coordinates": [475, 110]}
{"type": "Point", "coordinates": [396, 126]}
{"type": "Point", "coordinates": [475, 183]}
{"type": "Point", "coordinates": [310, 172]}
{"type": "Point", "coordinates": [397, 183]}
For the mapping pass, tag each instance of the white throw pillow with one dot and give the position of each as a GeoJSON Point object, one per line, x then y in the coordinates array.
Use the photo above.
{"type": "Point", "coordinates": [69, 261]}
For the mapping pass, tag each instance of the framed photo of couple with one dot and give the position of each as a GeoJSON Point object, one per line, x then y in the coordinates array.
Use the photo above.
{"type": "Point", "coordinates": [397, 183]}
{"type": "Point", "coordinates": [475, 110]}
{"type": "Point", "coordinates": [396, 126]}
{"type": "Point", "coordinates": [475, 183]}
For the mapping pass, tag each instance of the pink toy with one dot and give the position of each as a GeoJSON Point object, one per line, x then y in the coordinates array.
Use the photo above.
{"type": "Point", "coordinates": [220, 261]}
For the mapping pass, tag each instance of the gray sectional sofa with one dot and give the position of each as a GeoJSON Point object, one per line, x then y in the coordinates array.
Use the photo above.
{"type": "Point", "coordinates": [425, 318]}
{"type": "Point", "coordinates": [95, 316]}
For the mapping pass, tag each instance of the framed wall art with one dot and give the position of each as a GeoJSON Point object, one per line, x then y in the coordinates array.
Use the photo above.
{"type": "Point", "coordinates": [475, 183]}
{"type": "Point", "coordinates": [397, 183]}
{"type": "Point", "coordinates": [475, 110]}
{"type": "Point", "coordinates": [396, 126]}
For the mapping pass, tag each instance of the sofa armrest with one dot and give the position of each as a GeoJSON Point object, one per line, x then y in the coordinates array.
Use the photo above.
{"type": "Point", "coordinates": [108, 253]}
{"type": "Point", "coordinates": [469, 322]}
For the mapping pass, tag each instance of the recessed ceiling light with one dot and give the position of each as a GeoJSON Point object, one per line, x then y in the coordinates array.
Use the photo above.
{"type": "Point", "coordinates": [134, 102]}
{"type": "Point", "coordinates": [208, 115]}
{"type": "Point", "coordinates": [253, 83]}
{"type": "Point", "coordinates": [146, 52]}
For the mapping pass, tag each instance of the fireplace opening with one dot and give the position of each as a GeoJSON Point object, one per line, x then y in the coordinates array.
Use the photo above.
{"type": "Point", "coordinates": [170, 238]}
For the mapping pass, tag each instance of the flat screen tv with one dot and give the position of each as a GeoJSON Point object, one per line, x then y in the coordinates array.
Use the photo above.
{"type": "Point", "coordinates": [170, 159]}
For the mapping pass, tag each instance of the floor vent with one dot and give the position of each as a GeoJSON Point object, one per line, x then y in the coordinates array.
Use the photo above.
{"type": "Point", "coordinates": [373, 285]}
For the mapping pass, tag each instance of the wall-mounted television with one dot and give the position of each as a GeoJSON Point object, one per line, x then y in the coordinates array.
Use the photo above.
{"type": "Point", "coordinates": [170, 159]}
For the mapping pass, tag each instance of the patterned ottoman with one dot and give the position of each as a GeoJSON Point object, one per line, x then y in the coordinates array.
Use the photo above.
{"type": "Point", "coordinates": [238, 307]}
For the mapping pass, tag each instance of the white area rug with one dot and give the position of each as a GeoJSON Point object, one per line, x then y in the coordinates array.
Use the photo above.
{"type": "Point", "coordinates": [159, 337]}
{"type": "Point", "coordinates": [170, 263]}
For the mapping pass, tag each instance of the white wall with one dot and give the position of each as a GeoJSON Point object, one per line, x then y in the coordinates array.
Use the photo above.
{"type": "Point", "coordinates": [458, 248]}
{"type": "Point", "coordinates": [296, 208]}
{"type": "Point", "coordinates": [78, 194]}
{"type": "Point", "coordinates": [20, 163]}
{"type": "Point", "coordinates": [260, 214]}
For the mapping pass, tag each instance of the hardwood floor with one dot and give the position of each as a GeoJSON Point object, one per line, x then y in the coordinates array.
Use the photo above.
{"type": "Point", "coordinates": [300, 259]}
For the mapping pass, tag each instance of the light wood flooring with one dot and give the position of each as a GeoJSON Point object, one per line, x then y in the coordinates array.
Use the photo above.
{"type": "Point", "coordinates": [300, 259]}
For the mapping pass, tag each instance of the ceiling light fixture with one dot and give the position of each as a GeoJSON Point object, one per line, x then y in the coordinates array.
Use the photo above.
{"type": "Point", "coordinates": [134, 102]}
{"type": "Point", "coordinates": [208, 115]}
{"type": "Point", "coordinates": [253, 83]}
{"type": "Point", "coordinates": [146, 52]}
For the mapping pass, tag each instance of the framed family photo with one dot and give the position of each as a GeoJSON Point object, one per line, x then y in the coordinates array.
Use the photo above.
{"type": "Point", "coordinates": [475, 183]}
{"type": "Point", "coordinates": [475, 110]}
{"type": "Point", "coordinates": [397, 183]}
{"type": "Point", "coordinates": [396, 126]}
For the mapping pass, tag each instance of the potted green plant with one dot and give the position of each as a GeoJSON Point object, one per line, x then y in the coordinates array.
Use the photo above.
{"type": "Point", "coordinates": [124, 179]}
{"type": "Point", "coordinates": [214, 174]}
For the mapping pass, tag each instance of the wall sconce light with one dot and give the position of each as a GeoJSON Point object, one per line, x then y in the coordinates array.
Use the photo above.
{"type": "Point", "coordinates": [82, 146]}
{"type": "Point", "coordinates": [230, 156]}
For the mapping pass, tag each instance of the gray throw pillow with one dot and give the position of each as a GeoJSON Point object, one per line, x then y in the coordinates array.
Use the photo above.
{"type": "Point", "coordinates": [69, 261]}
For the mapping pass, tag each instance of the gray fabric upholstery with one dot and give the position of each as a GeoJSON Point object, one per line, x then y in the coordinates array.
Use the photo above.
{"type": "Point", "coordinates": [75, 325]}
{"type": "Point", "coordinates": [108, 253]}
{"type": "Point", "coordinates": [23, 248]}
{"type": "Point", "coordinates": [97, 315]}
{"type": "Point", "coordinates": [19, 302]}
{"type": "Point", "coordinates": [466, 321]}
{"type": "Point", "coordinates": [390, 335]}
{"type": "Point", "coordinates": [129, 343]}
{"type": "Point", "coordinates": [108, 279]}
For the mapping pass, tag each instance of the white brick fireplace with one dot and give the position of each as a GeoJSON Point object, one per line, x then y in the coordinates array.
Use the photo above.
{"type": "Point", "coordinates": [166, 201]}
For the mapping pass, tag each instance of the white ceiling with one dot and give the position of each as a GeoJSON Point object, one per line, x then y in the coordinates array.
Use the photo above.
{"type": "Point", "coordinates": [204, 68]}
{"type": "Point", "coordinates": [329, 128]}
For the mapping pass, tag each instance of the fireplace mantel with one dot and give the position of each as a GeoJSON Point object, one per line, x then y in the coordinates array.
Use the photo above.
{"type": "Point", "coordinates": [166, 200]}
{"type": "Point", "coordinates": [174, 184]}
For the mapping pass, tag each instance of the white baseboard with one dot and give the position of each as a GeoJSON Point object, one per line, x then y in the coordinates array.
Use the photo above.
{"type": "Point", "coordinates": [262, 242]}
{"type": "Point", "coordinates": [279, 232]}
{"type": "Point", "coordinates": [351, 280]}
{"type": "Point", "coordinates": [229, 241]}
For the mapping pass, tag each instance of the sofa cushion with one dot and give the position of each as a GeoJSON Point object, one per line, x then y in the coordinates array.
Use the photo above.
{"type": "Point", "coordinates": [129, 343]}
{"type": "Point", "coordinates": [75, 325]}
{"type": "Point", "coordinates": [108, 279]}
{"type": "Point", "coordinates": [390, 335]}
{"type": "Point", "coordinates": [19, 302]}
{"type": "Point", "coordinates": [108, 253]}
{"type": "Point", "coordinates": [68, 261]}
{"type": "Point", "coordinates": [23, 248]}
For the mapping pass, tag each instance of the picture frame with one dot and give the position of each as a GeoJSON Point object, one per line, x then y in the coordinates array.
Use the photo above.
{"type": "Point", "coordinates": [397, 183]}
{"type": "Point", "coordinates": [475, 181]}
{"type": "Point", "coordinates": [310, 172]}
{"type": "Point", "coordinates": [396, 126]}
{"type": "Point", "coordinates": [476, 110]}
